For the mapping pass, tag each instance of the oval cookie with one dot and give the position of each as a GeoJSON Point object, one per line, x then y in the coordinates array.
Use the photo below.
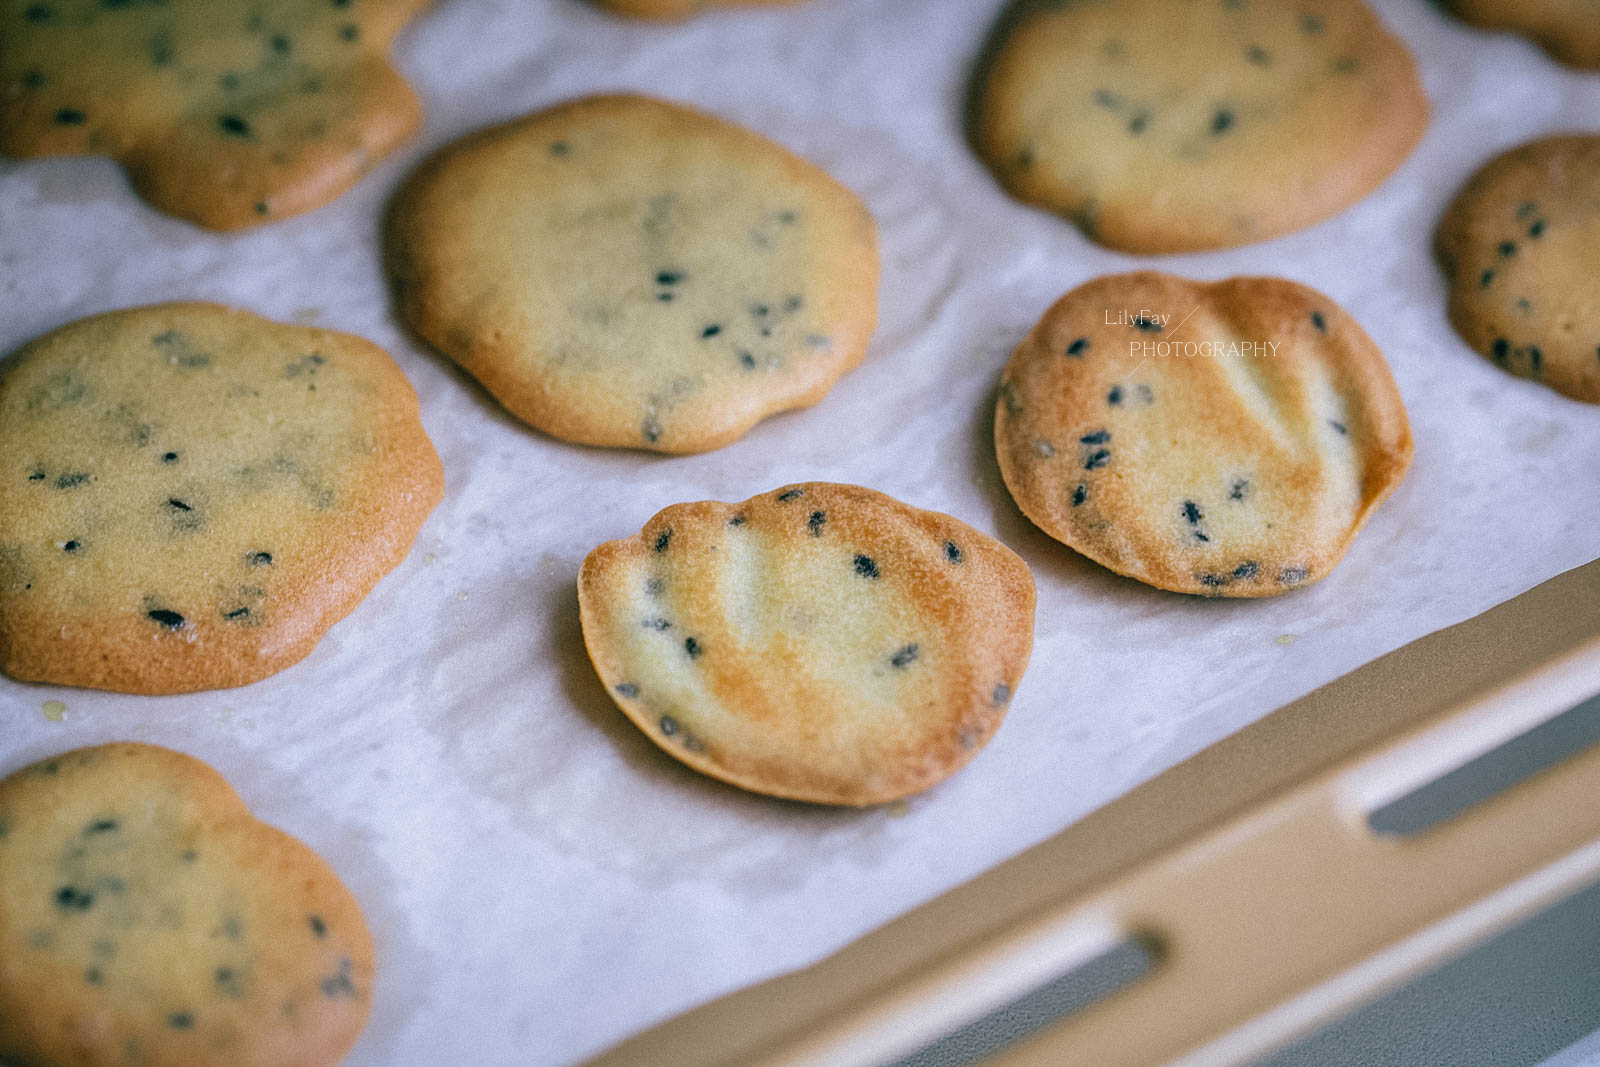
{"type": "Point", "coordinates": [1521, 247]}
{"type": "Point", "coordinates": [191, 495]}
{"type": "Point", "coordinates": [1165, 127]}
{"type": "Point", "coordinates": [1224, 439]}
{"type": "Point", "coordinates": [680, 9]}
{"type": "Point", "coordinates": [228, 113]}
{"type": "Point", "coordinates": [622, 271]}
{"type": "Point", "coordinates": [1567, 29]}
{"type": "Point", "coordinates": [818, 642]}
{"type": "Point", "coordinates": [147, 917]}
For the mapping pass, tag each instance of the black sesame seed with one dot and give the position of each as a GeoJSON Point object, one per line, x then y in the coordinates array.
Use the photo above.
{"type": "Point", "coordinates": [259, 559]}
{"type": "Point", "coordinates": [904, 657]}
{"type": "Point", "coordinates": [1115, 396]}
{"type": "Point", "coordinates": [560, 148]}
{"type": "Point", "coordinates": [691, 646]}
{"type": "Point", "coordinates": [1313, 25]}
{"type": "Point", "coordinates": [664, 539]}
{"type": "Point", "coordinates": [627, 690]}
{"type": "Point", "coordinates": [1192, 512]}
{"type": "Point", "coordinates": [233, 124]}
{"type": "Point", "coordinates": [1500, 349]}
{"type": "Point", "coordinates": [1537, 229]}
{"type": "Point", "coordinates": [178, 505]}
{"type": "Point", "coordinates": [169, 457]}
{"type": "Point", "coordinates": [816, 521]}
{"type": "Point", "coordinates": [1507, 248]}
{"type": "Point", "coordinates": [669, 725]}
{"type": "Point", "coordinates": [93, 976]}
{"type": "Point", "coordinates": [1245, 570]}
{"type": "Point", "coordinates": [793, 302]}
{"type": "Point", "coordinates": [34, 79]}
{"type": "Point", "coordinates": [737, 520]}
{"type": "Point", "coordinates": [261, 208]}
{"type": "Point", "coordinates": [790, 494]}
{"type": "Point", "coordinates": [318, 927]}
{"type": "Point", "coordinates": [71, 546]}
{"type": "Point", "coordinates": [349, 31]}
{"type": "Point", "coordinates": [181, 1020]}
{"type": "Point", "coordinates": [710, 331]}
{"type": "Point", "coordinates": [1212, 580]}
{"type": "Point", "coordinates": [36, 476]}
{"type": "Point", "coordinates": [1239, 489]}
{"type": "Point", "coordinates": [1080, 494]}
{"type": "Point", "coordinates": [1107, 99]}
{"type": "Point", "coordinates": [746, 360]}
{"type": "Point", "coordinates": [1001, 694]}
{"type": "Point", "coordinates": [71, 481]}
{"type": "Point", "coordinates": [74, 899]}
{"type": "Point", "coordinates": [1222, 121]}
{"type": "Point", "coordinates": [1258, 55]}
{"type": "Point", "coordinates": [866, 566]}
{"type": "Point", "coordinates": [170, 619]}
{"type": "Point", "coordinates": [101, 826]}
{"type": "Point", "coordinates": [236, 614]}
{"type": "Point", "coordinates": [1486, 278]}
{"type": "Point", "coordinates": [1137, 124]}
{"type": "Point", "coordinates": [657, 624]}
{"type": "Point", "coordinates": [38, 13]}
{"type": "Point", "coordinates": [1319, 322]}
{"type": "Point", "coordinates": [1078, 347]}
{"type": "Point", "coordinates": [651, 430]}
{"type": "Point", "coordinates": [669, 277]}
{"type": "Point", "coordinates": [1099, 437]}
{"type": "Point", "coordinates": [1097, 459]}
{"type": "Point", "coordinates": [280, 44]}
{"type": "Point", "coordinates": [952, 552]}
{"type": "Point", "coordinates": [1147, 325]}
{"type": "Point", "coordinates": [69, 116]}
{"type": "Point", "coordinates": [1535, 358]}
{"type": "Point", "coordinates": [1339, 426]}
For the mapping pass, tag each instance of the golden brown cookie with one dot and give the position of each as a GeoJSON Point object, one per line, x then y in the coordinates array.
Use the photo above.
{"type": "Point", "coordinates": [680, 9]}
{"type": "Point", "coordinates": [1521, 246]}
{"type": "Point", "coordinates": [146, 917]}
{"type": "Point", "coordinates": [1224, 439]}
{"type": "Point", "coordinates": [819, 642]}
{"type": "Point", "coordinates": [1162, 126]}
{"type": "Point", "coordinates": [1567, 29]}
{"type": "Point", "coordinates": [191, 495]}
{"type": "Point", "coordinates": [229, 113]}
{"type": "Point", "coordinates": [622, 271]}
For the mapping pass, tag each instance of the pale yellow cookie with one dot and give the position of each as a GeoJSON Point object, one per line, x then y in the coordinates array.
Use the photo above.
{"type": "Point", "coordinates": [819, 642]}
{"type": "Point", "coordinates": [622, 271]}
{"type": "Point", "coordinates": [1225, 439]}
{"type": "Point", "coordinates": [229, 113]}
{"type": "Point", "coordinates": [1174, 125]}
{"type": "Point", "coordinates": [191, 495]}
{"type": "Point", "coordinates": [146, 917]}
{"type": "Point", "coordinates": [1521, 246]}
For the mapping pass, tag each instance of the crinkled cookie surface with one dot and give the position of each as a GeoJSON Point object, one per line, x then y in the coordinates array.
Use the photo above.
{"type": "Point", "coordinates": [1223, 439]}
{"type": "Point", "coordinates": [820, 642]}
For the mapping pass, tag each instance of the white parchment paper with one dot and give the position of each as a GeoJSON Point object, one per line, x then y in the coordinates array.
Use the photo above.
{"type": "Point", "coordinates": [542, 881]}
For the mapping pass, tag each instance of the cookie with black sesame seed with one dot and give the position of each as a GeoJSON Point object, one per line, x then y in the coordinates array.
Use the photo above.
{"type": "Point", "coordinates": [680, 9]}
{"type": "Point", "coordinates": [1521, 246]}
{"type": "Point", "coordinates": [190, 496]}
{"type": "Point", "coordinates": [1568, 29]}
{"type": "Point", "coordinates": [147, 917]}
{"type": "Point", "coordinates": [622, 271]}
{"type": "Point", "coordinates": [228, 113]}
{"type": "Point", "coordinates": [1168, 127]}
{"type": "Point", "coordinates": [1223, 439]}
{"type": "Point", "coordinates": [818, 642]}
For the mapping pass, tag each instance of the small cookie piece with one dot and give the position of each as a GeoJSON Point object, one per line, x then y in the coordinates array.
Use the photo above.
{"type": "Point", "coordinates": [680, 9]}
{"type": "Point", "coordinates": [1168, 127]}
{"type": "Point", "coordinates": [1568, 29]}
{"type": "Point", "coordinates": [1521, 246]}
{"type": "Point", "coordinates": [818, 642]}
{"type": "Point", "coordinates": [191, 495]}
{"type": "Point", "coordinates": [147, 917]}
{"type": "Point", "coordinates": [228, 113]}
{"type": "Point", "coordinates": [1223, 439]}
{"type": "Point", "coordinates": [621, 271]}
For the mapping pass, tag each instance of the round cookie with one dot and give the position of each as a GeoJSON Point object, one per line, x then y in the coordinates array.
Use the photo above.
{"type": "Point", "coordinates": [680, 9]}
{"type": "Point", "coordinates": [1168, 127]}
{"type": "Point", "coordinates": [191, 495]}
{"type": "Point", "coordinates": [147, 917]}
{"type": "Point", "coordinates": [819, 642]}
{"type": "Point", "coordinates": [1567, 29]}
{"type": "Point", "coordinates": [1223, 439]}
{"type": "Point", "coordinates": [228, 113]}
{"type": "Point", "coordinates": [1521, 247]}
{"type": "Point", "coordinates": [622, 271]}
